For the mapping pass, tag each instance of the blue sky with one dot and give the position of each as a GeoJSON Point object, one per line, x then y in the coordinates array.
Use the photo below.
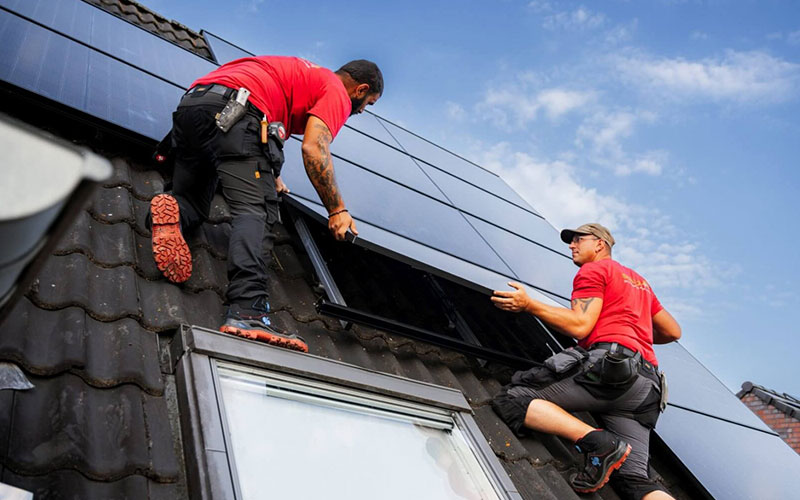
{"type": "Point", "coordinates": [675, 123]}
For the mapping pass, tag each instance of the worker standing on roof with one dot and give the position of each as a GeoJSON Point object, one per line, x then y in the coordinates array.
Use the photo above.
{"type": "Point", "coordinates": [229, 128]}
{"type": "Point", "coordinates": [613, 372]}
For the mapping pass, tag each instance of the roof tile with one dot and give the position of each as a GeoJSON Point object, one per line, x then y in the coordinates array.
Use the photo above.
{"type": "Point", "coordinates": [65, 424]}
{"type": "Point", "coordinates": [67, 339]}
{"type": "Point", "coordinates": [73, 280]}
{"type": "Point", "coordinates": [106, 244]}
{"type": "Point", "coordinates": [70, 484]}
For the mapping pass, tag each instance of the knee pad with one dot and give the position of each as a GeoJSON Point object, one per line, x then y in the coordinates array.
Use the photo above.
{"type": "Point", "coordinates": [633, 487]}
{"type": "Point", "coordinates": [511, 410]}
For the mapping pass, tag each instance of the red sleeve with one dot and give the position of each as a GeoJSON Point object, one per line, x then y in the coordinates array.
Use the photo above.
{"type": "Point", "coordinates": [589, 282]}
{"type": "Point", "coordinates": [333, 108]}
{"type": "Point", "coordinates": [655, 305]}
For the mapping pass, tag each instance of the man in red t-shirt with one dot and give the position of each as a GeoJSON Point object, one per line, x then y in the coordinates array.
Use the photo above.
{"type": "Point", "coordinates": [616, 318]}
{"type": "Point", "coordinates": [246, 159]}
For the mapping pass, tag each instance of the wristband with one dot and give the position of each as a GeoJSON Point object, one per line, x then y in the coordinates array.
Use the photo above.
{"type": "Point", "coordinates": [338, 212]}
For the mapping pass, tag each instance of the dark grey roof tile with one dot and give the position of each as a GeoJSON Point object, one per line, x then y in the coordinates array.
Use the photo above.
{"type": "Point", "coordinates": [102, 354]}
{"type": "Point", "coordinates": [112, 205]}
{"type": "Point", "coordinates": [558, 483]}
{"type": "Point", "coordinates": [503, 442]}
{"type": "Point", "coordinates": [121, 175]}
{"type": "Point", "coordinates": [528, 482]}
{"type": "Point", "coordinates": [212, 237]}
{"type": "Point", "coordinates": [292, 295]}
{"type": "Point", "coordinates": [72, 280]}
{"type": "Point", "coordinates": [155, 23]}
{"type": "Point", "coordinates": [471, 385]}
{"type": "Point", "coordinates": [145, 264]}
{"type": "Point", "coordinates": [105, 244]}
{"type": "Point", "coordinates": [208, 273]}
{"type": "Point", "coordinates": [139, 211]}
{"type": "Point", "coordinates": [145, 183]}
{"type": "Point", "coordinates": [287, 263]}
{"type": "Point", "coordinates": [165, 306]}
{"type": "Point", "coordinates": [104, 434]}
{"type": "Point", "coordinates": [71, 485]}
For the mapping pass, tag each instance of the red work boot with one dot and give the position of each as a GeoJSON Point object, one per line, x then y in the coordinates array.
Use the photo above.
{"type": "Point", "coordinates": [170, 250]}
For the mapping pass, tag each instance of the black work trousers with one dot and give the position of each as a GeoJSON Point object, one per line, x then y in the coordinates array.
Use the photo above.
{"type": "Point", "coordinates": [204, 157]}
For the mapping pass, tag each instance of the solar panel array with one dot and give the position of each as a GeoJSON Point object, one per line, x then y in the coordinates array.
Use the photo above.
{"type": "Point", "coordinates": [412, 200]}
{"type": "Point", "coordinates": [81, 56]}
{"type": "Point", "coordinates": [447, 214]}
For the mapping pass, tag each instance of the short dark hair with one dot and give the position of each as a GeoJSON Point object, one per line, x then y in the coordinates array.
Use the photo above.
{"type": "Point", "coordinates": [363, 71]}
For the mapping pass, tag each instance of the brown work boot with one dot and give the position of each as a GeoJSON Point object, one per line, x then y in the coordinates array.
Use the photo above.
{"type": "Point", "coordinates": [170, 250]}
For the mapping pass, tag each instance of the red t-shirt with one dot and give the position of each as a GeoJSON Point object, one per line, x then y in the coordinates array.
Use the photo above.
{"type": "Point", "coordinates": [629, 305]}
{"type": "Point", "coordinates": [287, 89]}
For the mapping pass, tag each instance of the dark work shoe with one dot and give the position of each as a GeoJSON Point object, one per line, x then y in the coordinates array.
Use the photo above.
{"type": "Point", "coordinates": [170, 250]}
{"type": "Point", "coordinates": [254, 324]}
{"type": "Point", "coordinates": [603, 453]}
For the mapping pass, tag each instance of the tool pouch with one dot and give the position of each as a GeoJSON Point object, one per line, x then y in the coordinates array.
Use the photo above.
{"type": "Point", "coordinates": [233, 111]}
{"type": "Point", "coordinates": [273, 149]}
{"type": "Point", "coordinates": [609, 376]}
{"type": "Point", "coordinates": [566, 360]}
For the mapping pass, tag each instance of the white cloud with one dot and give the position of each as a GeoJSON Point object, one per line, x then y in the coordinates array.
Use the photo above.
{"type": "Point", "coordinates": [647, 240]}
{"type": "Point", "coordinates": [580, 18]}
{"type": "Point", "coordinates": [519, 104]}
{"type": "Point", "coordinates": [699, 35]}
{"type": "Point", "coordinates": [680, 273]}
{"type": "Point", "coordinates": [604, 132]}
{"type": "Point", "coordinates": [455, 111]}
{"type": "Point", "coordinates": [738, 76]}
{"type": "Point", "coordinates": [793, 38]}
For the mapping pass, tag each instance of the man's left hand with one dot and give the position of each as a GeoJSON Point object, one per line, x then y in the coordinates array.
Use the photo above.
{"type": "Point", "coordinates": [280, 187]}
{"type": "Point", "coordinates": [513, 301]}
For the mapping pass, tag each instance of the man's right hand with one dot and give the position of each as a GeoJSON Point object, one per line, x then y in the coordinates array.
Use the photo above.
{"type": "Point", "coordinates": [340, 223]}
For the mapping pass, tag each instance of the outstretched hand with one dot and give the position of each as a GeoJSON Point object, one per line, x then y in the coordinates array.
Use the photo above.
{"type": "Point", "coordinates": [514, 301]}
{"type": "Point", "coordinates": [340, 223]}
{"type": "Point", "coordinates": [280, 187]}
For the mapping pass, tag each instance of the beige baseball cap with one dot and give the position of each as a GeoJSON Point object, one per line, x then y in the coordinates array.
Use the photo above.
{"type": "Point", "coordinates": [592, 228]}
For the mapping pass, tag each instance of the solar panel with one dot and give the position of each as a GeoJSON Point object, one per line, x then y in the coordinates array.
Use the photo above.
{"type": "Point", "coordinates": [530, 262]}
{"type": "Point", "coordinates": [50, 65]}
{"type": "Point", "coordinates": [384, 160]}
{"type": "Point", "coordinates": [387, 205]}
{"type": "Point", "coordinates": [454, 165]}
{"type": "Point", "coordinates": [496, 210]}
{"type": "Point", "coordinates": [692, 386]}
{"type": "Point", "coordinates": [116, 37]}
{"type": "Point", "coordinates": [223, 50]}
{"type": "Point", "coordinates": [729, 460]}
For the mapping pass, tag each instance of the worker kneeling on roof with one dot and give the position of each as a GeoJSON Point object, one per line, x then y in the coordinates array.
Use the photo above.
{"type": "Point", "coordinates": [229, 128]}
{"type": "Point", "coordinates": [612, 372]}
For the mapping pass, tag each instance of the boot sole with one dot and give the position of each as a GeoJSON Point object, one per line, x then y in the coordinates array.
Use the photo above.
{"type": "Point", "coordinates": [263, 336]}
{"type": "Point", "coordinates": [170, 250]}
{"type": "Point", "coordinates": [615, 466]}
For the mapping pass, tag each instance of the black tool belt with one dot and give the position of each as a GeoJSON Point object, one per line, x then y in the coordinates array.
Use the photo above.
{"type": "Point", "coordinates": [614, 348]}
{"type": "Point", "coordinates": [214, 88]}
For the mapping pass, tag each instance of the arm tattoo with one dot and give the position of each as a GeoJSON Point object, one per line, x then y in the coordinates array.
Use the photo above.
{"type": "Point", "coordinates": [583, 302]}
{"type": "Point", "coordinates": [319, 168]}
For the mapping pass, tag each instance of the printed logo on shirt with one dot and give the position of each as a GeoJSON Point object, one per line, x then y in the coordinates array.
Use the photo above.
{"type": "Point", "coordinates": [308, 64]}
{"type": "Point", "coordinates": [640, 284]}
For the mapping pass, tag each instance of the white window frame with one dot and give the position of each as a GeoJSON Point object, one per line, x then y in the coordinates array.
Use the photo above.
{"type": "Point", "coordinates": [210, 465]}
